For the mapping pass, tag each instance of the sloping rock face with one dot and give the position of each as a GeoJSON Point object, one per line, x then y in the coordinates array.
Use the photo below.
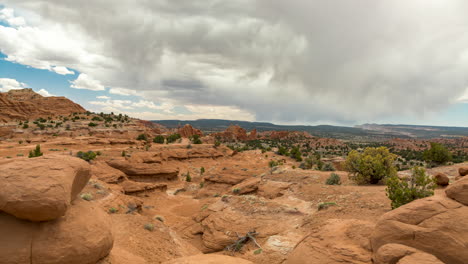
{"type": "Point", "coordinates": [188, 131]}
{"type": "Point", "coordinates": [434, 225]}
{"type": "Point", "coordinates": [26, 104]}
{"type": "Point", "coordinates": [60, 229]}
{"type": "Point", "coordinates": [43, 188]}
{"type": "Point", "coordinates": [235, 133]}
{"type": "Point", "coordinates": [208, 259]}
{"type": "Point", "coordinates": [144, 172]}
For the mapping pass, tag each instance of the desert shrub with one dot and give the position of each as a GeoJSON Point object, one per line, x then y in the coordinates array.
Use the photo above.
{"type": "Point", "coordinates": [90, 155]}
{"type": "Point", "coordinates": [437, 154]}
{"type": "Point", "coordinates": [296, 154]}
{"type": "Point", "coordinates": [172, 138]}
{"type": "Point", "coordinates": [236, 190]}
{"type": "Point", "coordinates": [188, 178]}
{"type": "Point", "coordinates": [91, 124]}
{"type": "Point", "coordinates": [159, 218]}
{"type": "Point", "coordinates": [25, 126]}
{"type": "Point", "coordinates": [36, 152]}
{"type": "Point", "coordinates": [113, 210]}
{"type": "Point", "coordinates": [272, 164]}
{"type": "Point", "coordinates": [149, 227]}
{"type": "Point", "coordinates": [328, 167]}
{"type": "Point", "coordinates": [159, 139]}
{"type": "Point", "coordinates": [142, 137]}
{"type": "Point", "coordinates": [334, 179]}
{"type": "Point", "coordinates": [325, 205]}
{"type": "Point", "coordinates": [123, 153]}
{"type": "Point", "coordinates": [96, 118]}
{"type": "Point", "coordinates": [86, 196]}
{"type": "Point", "coordinates": [196, 139]}
{"type": "Point", "coordinates": [370, 166]}
{"type": "Point", "coordinates": [417, 186]}
{"type": "Point", "coordinates": [202, 170]}
{"type": "Point", "coordinates": [217, 143]}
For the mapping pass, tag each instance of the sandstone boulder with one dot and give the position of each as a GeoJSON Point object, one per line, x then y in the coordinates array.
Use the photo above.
{"type": "Point", "coordinates": [208, 259]}
{"type": "Point", "coordinates": [82, 236]}
{"type": "Point", "coordinates": [463, 171]}
{"type": "Point", "coordinates": [441, 179]}
{"type": "Point", "coordinates": [131, 187]}
{"type": "Point", "coordinates": [434, 225]}
{"type": "Point", "coordinates": [144, 172]}
{"type": "Point", "coordinates": [397, 253]}
{"type": "Point", "coordinates": [41, 189]}
{"type": "Point", "coordinates": [107, 174]}
{"type": "Point", "coordinates": [188, 131]}
{"type": "Point", "coordinates": [246, 186]}
{"type": "Point", "coordinates": [273, 189]}
{"type": "Point", "coordinates": [459, 191]}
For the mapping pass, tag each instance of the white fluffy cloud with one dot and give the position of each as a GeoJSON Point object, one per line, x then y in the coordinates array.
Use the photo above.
{"type": "Point", "coordinates": [7, 84]}
{"type": "Point", "coordinates": [103, 97]}
{"type": "Point", "coordinates": [8, 15]}
{"type": "Point", "coordinates": [86, 82]}
{"type": "Point", "coordinates": [287, 61]}
{"type": "Point", "coordinates": [62, 70]}
{"type": "Point", "coordinates": [44, 93]}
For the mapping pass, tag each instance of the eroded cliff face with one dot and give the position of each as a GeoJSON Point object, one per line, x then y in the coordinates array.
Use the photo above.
{"type": "Point", "coordinates": [25, 104]}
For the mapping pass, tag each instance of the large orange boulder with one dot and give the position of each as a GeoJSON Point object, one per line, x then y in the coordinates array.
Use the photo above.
{"type": "Point", "coordinates": [397, 253]}
{"type": "Point", "coordinates": [144, 171]}
{"type": "Point", "coordinates": [463, 171]}
{"type": "Point", "coordinates": [246, 186]}
{"type": "Point", "coordinates": [434, 225]}
{"type": "Point", "coordinates": [441, 179]}
{"type": "Point", "coordinates": [208, 259]}
{"type": "Point", "coordinates": [459, 191]}
{"type": "Point", "coordinates": [106, 173]}
{"type": "Point", "coordinates": [82, 236]}
{"type": "Point", "coordinates": [41, 189]}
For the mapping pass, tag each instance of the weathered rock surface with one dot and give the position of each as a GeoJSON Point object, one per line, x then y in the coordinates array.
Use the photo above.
{"type": "Point", "coordinates": [441, 179]}
{"type": "Point", "coordinates": [397, 253]}
{"type": "Point", "coordinates": [433, 225]}
{"type": "Point", "coordinates": [247, 186]}
{"type": "Point", "coordinates": [143, 171]}
{"type": "Point", "coordinates": [25, 104]}
{"type": "Point", "coordinates": [131, 187]}
{"type": "Point", "coordinates": [339, 241]}
{"type": "Point", "coordinates": [208, 259]}
{"type": "Point", "coordinates": [106, 173]}
{"type": "Point", "coordinates": [42, 188]}
{"type": "Point", "coordinates": [273, 189]}
{"type": "Point", "coordinates": [82, 236]}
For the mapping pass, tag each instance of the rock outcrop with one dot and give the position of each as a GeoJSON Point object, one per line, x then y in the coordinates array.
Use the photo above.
{"type": "Point", "coordinates": [25, 104]}
{"type": "Point", "coordinates": [235, 133]}
{"type": "Point", "coordinates": [208, 259]}
{"type": "Point", "coordinates": [60, 229]}
{"type": "Point", "coordinates": [188, 131]}
{"type": "Point", "coordinates": [433, 225]}
{"type": "Point", "coordinates": [441, 179]}
{"type": "Point", "coordinates": [143, 171]}
{"type": "Point", "coordinates": [463, 171]}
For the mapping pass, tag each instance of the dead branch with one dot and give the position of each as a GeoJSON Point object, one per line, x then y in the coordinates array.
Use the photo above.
{"type": "Point", "coordinates": [241, 241]}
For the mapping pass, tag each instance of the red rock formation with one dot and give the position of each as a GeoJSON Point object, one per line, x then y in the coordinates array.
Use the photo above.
{"type": "Point", "coordinates": [235, 133]}
{"type": "Point", "coordinates": [188, 131]}
{"type": "Point", "coordinates": [26, 104]}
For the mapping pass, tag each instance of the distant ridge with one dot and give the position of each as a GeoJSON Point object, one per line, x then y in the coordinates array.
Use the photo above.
{"type": "Point", "coordinates": [366, 131]}
{"type": "Point", "coordinates": [25, 104]}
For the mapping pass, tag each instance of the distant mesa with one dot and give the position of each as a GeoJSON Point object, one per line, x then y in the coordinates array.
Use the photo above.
{"type": "Point", "coordinates": [25, 104]}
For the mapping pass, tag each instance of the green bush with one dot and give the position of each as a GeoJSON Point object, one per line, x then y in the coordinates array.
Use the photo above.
{"type": "Point", "coordinates": [142, 137]}
{"type": "Point", "coordinates": [196, 139]}
{"type": "Point", "coordinates": [86, 196]}
{"type": "Point", "coordinates": [188, 178]}
{"type": "Point", "coordinates": [437, 154]}
{"type": "Point", "coordinates": [417, 186]}
{"type": "Point", "coordinates": [159, 139]}
{"type": "Point", "coordinates": [36, 152]}
{"type": "Point", "coordinates": [90, 155]}
{"type": "Point", "coordinates": [123, 153]}
{"type": "Point", "coordinates": [172, 138]}
{"type": "Point", "coordinates": [25, 126]}
{"type": "Point", "coordinates": [334, 179]}
{"type": "Point", "coordinates": [91, 124]}
{"type": "Point", "coordinates": [370, 166]}
{"type": "Point", "coordinates": [149, 227]}
{"type": "Point", "coordinates": [328, 167]}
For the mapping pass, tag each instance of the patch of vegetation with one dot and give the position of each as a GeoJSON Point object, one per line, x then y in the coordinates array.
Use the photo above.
{"type": "Point", "coordinates": [417, 186]}
{"type": "Point", "coordinates": [88, 156]}
{"type": "Point", "coordinates": [236, 190]}
{"type": "Point", "coordinates": [437, 154]}
{"type": "Point", "coordinates": [159, 218]}
{"type": "Point", "coordinates": [149, 227]}
{"type": "Point", "coordinates": [113, 210]}
{"type": "Point", "coordinates": [91, 124]}
{"type": "Point", "coordinates": [334, 179]}
{"type": "Point", "coordinates": [188, 178]}
{"type": "Point", "coordinates": [172, 138]}
{"type": "Point", "coordinates": [328, 167]}
{"type": "Point", "coordinates": [86, 196]}
{"type": "Point", "coordinates": [196, 139]}
{"type": "Point", "coordinates": [370, 166]}
{"type": "Point", "coordinates": [142, 137]}
{"type": "Point", "coordinates": [36, 152]}
{"type": "Point", "coordinates": [325, 205]}
{"type": "Point", "coordinates": [159, 139]}
{"type": "Point", "coordinates": [123, 153]}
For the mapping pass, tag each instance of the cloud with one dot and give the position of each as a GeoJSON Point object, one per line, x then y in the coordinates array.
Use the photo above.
{"type": "Point", "coordinates": [103, 97]}
{"type": "Point", "coordinates": [7, 84]}
{"type": "Point", "coordinates": [302, 61]}
{"type": "Point", "coordinates": [116, 104]}
{"type": "Point", "coordinates": [44, 93]}
{"type": "Point", "coordinates": [86, 82]}
{"type": "Point", "coordinates": [62, 70]}
{"type": "Point", "coordinates": [7, 15]}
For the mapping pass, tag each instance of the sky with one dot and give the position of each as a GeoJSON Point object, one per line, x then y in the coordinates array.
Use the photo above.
{"type": "Point", "coordinates": [286, 62]}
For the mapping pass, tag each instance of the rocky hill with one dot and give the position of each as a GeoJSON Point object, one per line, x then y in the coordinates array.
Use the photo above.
{"type": "Point", "coordinates": [25, 104]}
